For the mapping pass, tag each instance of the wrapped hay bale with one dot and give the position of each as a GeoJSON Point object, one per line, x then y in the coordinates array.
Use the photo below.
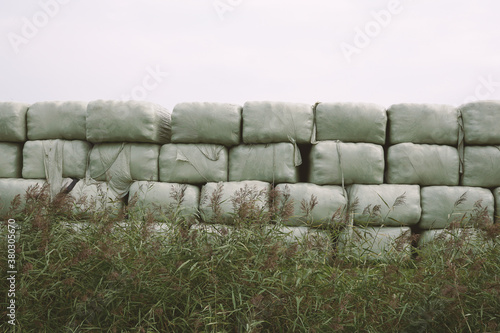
{"type": "Point", "coordinates": [443, 205]}
{"type": "Point", "coordinates": [11, 187]}
{"type": "Point", "coordinates": [273, 163]}
{"type": "Point", "coordinates": [310, 204]}
{"type": "Point", "coordinates": [423, 123]}
{"type": "Point", "coordinates": [270, 122]}
{"type": "Point", "coordinates": [470, 235]}
{"type": "Point", "coordinates": [216, 123]}
{"type": "Point", "coordinates": [121, 163]}
{"type": "Point", "coordinates": [57, 120]}
{"type": "Point", "coordinates": [90, 197]}
{"type": "Point", "coordinates": [193, 164]}
{"type": "Point", "coordinates": [13, 121]}
{"type": "Point", "coordinates": [387, 205]}
{"type": "Point", "coordinates": [224, 202]}
{"type": "Point", "coordinates": [165, 200]}
{"type": "Point", "coordinates": [11, 160]}
{"type": "Point", "coordinates": [481, 166]}
{"type": "Point", "coordinates": [481, 121]}
{"type": "Point", "coordinates": [337, 163]}
{"type": "Point", "coordinates": [301, 235]}
{"type": "Point", "coordinates": [70, 157]}
{"type": "Point", "coordinates": [127, 121]}
{"type": "Point", "coordinates": [351, 122]}
{"type": "Point", "coordinates": [409, 163]}
{"type": "Point", "coordinates": [375, 243]}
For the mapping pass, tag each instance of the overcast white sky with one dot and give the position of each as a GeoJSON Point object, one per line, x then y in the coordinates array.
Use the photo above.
{"type": "Point", "coordinates": [238, 50]}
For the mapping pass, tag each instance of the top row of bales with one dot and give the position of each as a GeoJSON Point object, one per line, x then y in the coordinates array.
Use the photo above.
{"type": "Point", "coordinates": [256, 122]}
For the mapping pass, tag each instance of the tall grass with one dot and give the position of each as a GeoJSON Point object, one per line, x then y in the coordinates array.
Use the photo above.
{"type": "Point", "coordinates": [111, 274]}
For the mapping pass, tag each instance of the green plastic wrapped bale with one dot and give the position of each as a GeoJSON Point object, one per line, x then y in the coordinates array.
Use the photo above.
{"type": "Point", "coordinates": [121, 163]}
{"type": "Point", "coordinates": [409, 163]}
{"type": "Point", "coordinates": [12, 187]}
{"type": "Point", "coordinates": [268, 122]}
{"type": "Point", "coordinates": [496, 193]}
{"type": "Point", "coordinates": [90, 197]}
{"type": "Point", "coordinates": [481, 166]}
{"type": "Point", "coordinates": [215, 123]}
{"type": "Point", "coordinates": [337, 163]}
{"type": "Point", "coordinates": [165, 200]}
{"type": "Point", "coordinates": [13, 121]}
{"type": "Point", "coordinates": [481, 120]}
{"type": "Point", "coordinates": [11, 160]}
{"type": "Point", "coordinates": [375, 243]}
{"type": "Point", "coordinates": [351, 122]}
{"type": "Point", "coordinates": [443, 205]}
{"type": "Point", "coordinates": [313, 205]}
{"type": "Point", "coordinates": [224, 202]}
{"type": "Point", "coordinates": [387, 205]}
{"type": "Point", "coordinates": [57, 120]}
{"type": "Point", "coordinates": [193, 164]}
{"type": "Point", "coordinates": [273, 163]}
{"type": "Point", "coordinates": [469, 237]}
{"type": "Point", "coordinates": [127, 121]}
{"type": "Point", "coordinates": [38, 160]}
{"type": "Point", "coordinates": [423, 123]}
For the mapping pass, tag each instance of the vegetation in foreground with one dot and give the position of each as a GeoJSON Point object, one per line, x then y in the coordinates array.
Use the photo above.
{"type": "Point", "coordinates": [107, 276]}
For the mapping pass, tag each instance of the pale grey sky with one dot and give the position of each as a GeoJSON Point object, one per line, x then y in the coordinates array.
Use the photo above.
{"type": "Point", "coordinates": [171, 51]}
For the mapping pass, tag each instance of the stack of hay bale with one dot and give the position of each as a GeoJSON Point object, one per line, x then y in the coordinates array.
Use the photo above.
{"type": "Point", "coordinates": [350, 152]}
{"type": "Point", "coordinates": [425, 150]}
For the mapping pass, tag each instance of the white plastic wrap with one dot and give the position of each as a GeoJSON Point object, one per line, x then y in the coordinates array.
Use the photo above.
{"type": "Point", "coordinates": [409, 163]}
{"type": "Point", "coordinates": [351, 122]}
{"type": "Point", "coordinates": [10, 188]}
{"type": "Point", "coordinates": [215, 123]}
{"type": "Point", "coordinates": [481, 121]}
{"type": "Point", "coordinates": [387, 205]}
{"type": "Point", "coordinates": [423, 123]}
{"type": "Point", "coordinates": [273, 163]}
{"type": "Point", "coordinates": [313, 205]}
{"type": "Point", "coordinates": [127, 121]}
{"type": "Point", "coordinates": [11, 160]}
{"type": "Point", "coordinates": [57, 120]}
{"type": "Point", "coordinates": [13, 121]}
{"type": "Point", "coordinates": [338, 163]}
{"type": "Point", "coordinates": [442, 205]}
{"type": "Point", "coordinates": [481, 166]}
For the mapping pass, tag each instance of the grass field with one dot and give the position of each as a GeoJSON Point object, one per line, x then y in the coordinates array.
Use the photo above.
{"type": "Point", "coordinates": [106, 276]}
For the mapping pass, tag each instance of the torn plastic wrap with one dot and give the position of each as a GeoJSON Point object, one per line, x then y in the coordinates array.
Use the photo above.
{"type": "Point", "coordinates": [13, 121]}
{"type": "Point", "coordinates": [11, 160]}
{"type": "Point", "coordinates": [481, 166]}
{"type": "Point", "coordinates": [442, 205]}
{"type": "Point", "coordinates": [313, 205]}
{"type": "Point", "coordinates": [351, 122]}
{"type": "Point", "coordinates": [57, 120]}
{"type": "Point", "coordinates": [120, 164]}
{"type": "Point", "coordinates": [193, 163]}
{"type": "Point", "coordinates": [273, 163]}
{"type": "Point", "coordinates": [409, 163]}
{"type": "Point", "coordinates": [128, 121]}
{"type": "Point", "coordinates": [214, 123]}
{"type": "Point", "coordinates": [387, 205]}
{"type": "Point", "coordinates": [423, 124]}
{"type": "Point", "coordinates": [338, 163]}
{"type": "Point", "coordinates": [165, 200]}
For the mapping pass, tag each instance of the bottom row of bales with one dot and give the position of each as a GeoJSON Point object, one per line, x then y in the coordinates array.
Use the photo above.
{"type": "Point", "coordinates": [364, 220]}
